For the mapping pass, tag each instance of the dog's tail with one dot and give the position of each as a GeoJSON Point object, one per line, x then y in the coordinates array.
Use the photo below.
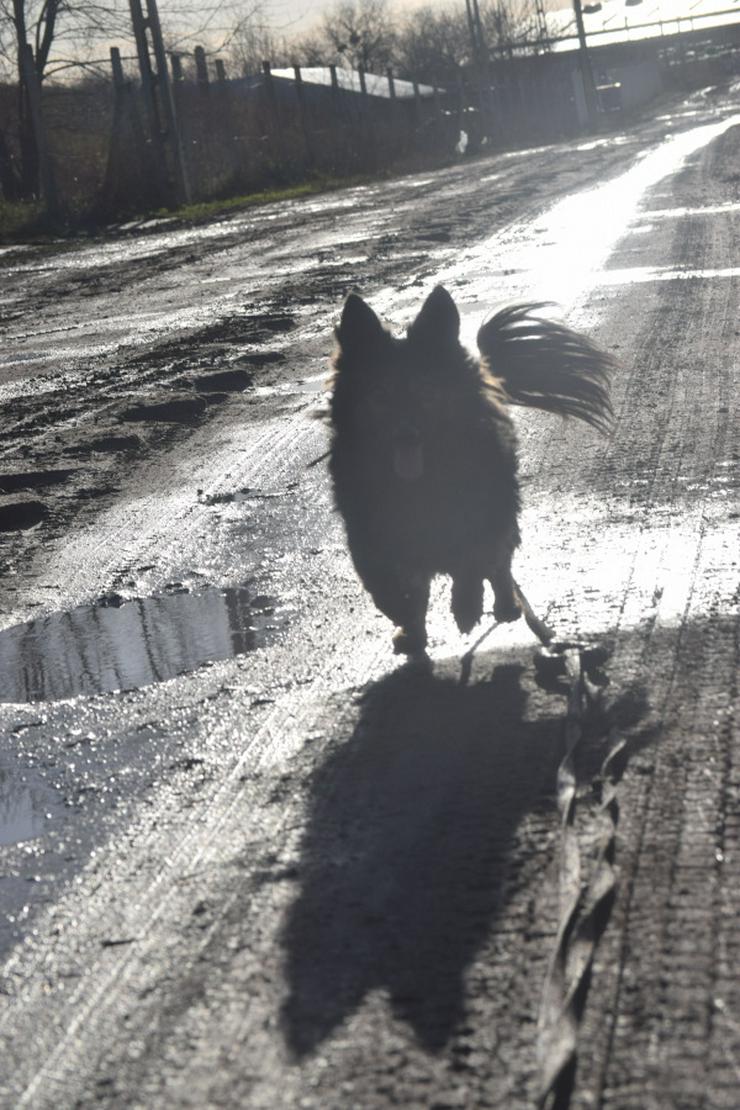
{"type": "Point", "coordinates": [546, 365]}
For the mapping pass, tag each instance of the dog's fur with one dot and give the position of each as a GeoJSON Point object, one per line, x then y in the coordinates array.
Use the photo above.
{"type": "Point", "coordinates": [423, 454]}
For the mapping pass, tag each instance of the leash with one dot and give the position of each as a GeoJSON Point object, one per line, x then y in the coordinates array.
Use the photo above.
{"type": "Point", "coordinates": [585, 902]}
{"type": "Point", "coordinates": [542, 631]}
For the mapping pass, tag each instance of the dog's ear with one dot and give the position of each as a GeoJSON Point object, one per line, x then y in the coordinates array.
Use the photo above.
{"type": "Point", "coordinates": [438, 321]}
{"type": "Point", "coordinates": [359, 329]}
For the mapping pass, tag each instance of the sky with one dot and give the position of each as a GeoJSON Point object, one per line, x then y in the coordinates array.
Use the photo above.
{"type": "Point", "coordinates": [286, 18]}
{"type": "Point", "coordinates": [302, 14]}
{"type": "Point", "coordinates": [187, 22]}
{"type": "Point", "coordinates": [295, 16]}
{"type": "Point", "coordinates": [209, 22]}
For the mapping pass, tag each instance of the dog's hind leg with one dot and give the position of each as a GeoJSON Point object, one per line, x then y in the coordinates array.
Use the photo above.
{"type": "Point", "coordinates": [506, 605]}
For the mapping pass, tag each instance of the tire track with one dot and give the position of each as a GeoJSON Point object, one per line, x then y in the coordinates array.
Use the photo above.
{"type": "Point", "coordinates": [641, 1006]}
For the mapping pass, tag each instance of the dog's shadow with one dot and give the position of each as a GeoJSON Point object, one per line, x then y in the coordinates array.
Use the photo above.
{"type": "Point", "coordinates": [407, 847]}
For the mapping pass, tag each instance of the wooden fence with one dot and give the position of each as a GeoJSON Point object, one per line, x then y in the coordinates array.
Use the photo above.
{"type": "Point", "coordinates": [244, 134]}
{"type": "Point", "coordinates": [129, 144]}
{"type": "Point", "coordinates": [137, 142]}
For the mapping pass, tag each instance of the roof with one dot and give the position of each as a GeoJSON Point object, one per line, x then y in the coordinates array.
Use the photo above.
{"type": "Point", "coordinates": [349, 80]}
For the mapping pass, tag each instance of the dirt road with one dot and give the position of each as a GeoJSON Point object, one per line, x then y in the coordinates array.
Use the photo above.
{"type": "Point", "coordinates": [246, 858]}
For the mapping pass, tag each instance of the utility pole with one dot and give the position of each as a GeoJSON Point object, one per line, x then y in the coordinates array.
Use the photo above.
{"type": "Point", "coordinates": [481, 60]}
{"type": "Point", "coordinates": [478, 25]}
{"type": "Point", "coordinates": [542, 28]}
{"type": "Point", "coordinates": [587, 73]}
{"type": "Point", "coordinates": [160, 104]}
{"type": "Point", "coordinates": [472, 29]}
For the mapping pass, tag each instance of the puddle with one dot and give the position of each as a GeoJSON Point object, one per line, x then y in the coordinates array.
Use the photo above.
{"type": "Point", "coordinates": [124, 645]}
{"type": "Point", "coordinates": [316, 384]}
{"type": "Point", "coordinates": [26, 805]}
{"type": "Point", "coordinates": [727, 207]}
{"type": "Point", "coordinates": [640, 274]}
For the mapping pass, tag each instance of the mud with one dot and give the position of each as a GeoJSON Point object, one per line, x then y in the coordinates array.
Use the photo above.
{"type": "Point", "coordinates": [35, 479]}
{"type": "Point", "coordinates": [249, 860]}
{"type": "Point", "coordinates": [175, 410]}
{"type": "Point", "coordinates": [229, 380]}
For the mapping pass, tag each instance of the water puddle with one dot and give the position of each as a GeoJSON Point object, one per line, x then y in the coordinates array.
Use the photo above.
{"type": "Point", "coordinates": [26, 806]}
{"type": "Point", "coordinates": [697, 210]}
{"type": "Point", "coordinates": [124, 645]}
{"type": "Point", "coordinates": [315, 384]}
{"type": "Point", "coordinates": [640, 274]}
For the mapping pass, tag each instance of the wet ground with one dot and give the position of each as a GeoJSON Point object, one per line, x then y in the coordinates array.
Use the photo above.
{"type": "Point", "coordinates": [246, 857]}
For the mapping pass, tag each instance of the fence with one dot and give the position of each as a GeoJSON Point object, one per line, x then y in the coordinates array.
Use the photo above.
{"type": "Point", "coordinates": [273, 129]}
{"type": "Point", "coordinates": [110, 151]}
{"type": "Point", "coordinates": [278, 128]}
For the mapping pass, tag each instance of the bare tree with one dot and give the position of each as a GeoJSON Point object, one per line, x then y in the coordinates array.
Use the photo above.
{"type": "Point", "coordinates": [312, 49]}
{"type": "Point", "coordinates": [432, 44]}
{"type": "Point", "coordinates": [509, 24]}
{"type": "Point", "coordinates": [218, 25]}
{"type": "Point", "coordinates": [253, 41]}
{"type": "Point", "coordinates": [60, 32]}
{"type": "Point", "coordinates": [44, 25]}
{"type": "Point", "coordinates": [65, 36]}
{"type": "Point", "coordinates": [354, 33]}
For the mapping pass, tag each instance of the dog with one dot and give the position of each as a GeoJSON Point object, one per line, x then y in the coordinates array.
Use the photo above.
{"type": "Point", "coordinates": [423, 454]}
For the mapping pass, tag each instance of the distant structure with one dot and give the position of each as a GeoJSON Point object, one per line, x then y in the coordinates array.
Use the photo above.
{"type": "Point", "coordinates": [543, 31]}
{"type": "Point", "coordinates": [612, 22]}
{"type": "Point", "coordinates": [386, 87]}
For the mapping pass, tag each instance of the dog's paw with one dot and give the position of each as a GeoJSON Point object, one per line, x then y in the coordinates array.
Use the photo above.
{"type": "Point", "coordinates": [409, 642]}
{"type": "Point", "coordinates": [507, 609]}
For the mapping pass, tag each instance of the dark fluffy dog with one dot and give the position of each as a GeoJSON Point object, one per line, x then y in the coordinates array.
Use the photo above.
{"type": "Point", "coordinates": [423, 454]}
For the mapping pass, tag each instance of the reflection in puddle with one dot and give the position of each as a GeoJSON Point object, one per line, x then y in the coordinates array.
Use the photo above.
{"type": "Point", "coordinates": [680, 212]}
{"type": "Point", "coordinates": [637, 274]}
{"type": "Point", "coordinates": [24, 807]}
{"type": "Point", "coordinates": [122, 645]}
{"type": "Point", "coordinates": [317, 383]}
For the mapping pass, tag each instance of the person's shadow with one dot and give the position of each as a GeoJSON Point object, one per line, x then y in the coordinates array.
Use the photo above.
{"type": "Point", "coordinates": [407, 847]}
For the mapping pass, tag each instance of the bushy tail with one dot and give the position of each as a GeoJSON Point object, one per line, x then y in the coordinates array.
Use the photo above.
{"type": "Point", "coordinates": [546, 365]}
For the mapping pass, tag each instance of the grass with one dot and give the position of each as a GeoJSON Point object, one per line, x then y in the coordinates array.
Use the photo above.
{"type": "Point", "coordinates": [21, 220]}
{"type": "Point", "coordinates": [207, 210]}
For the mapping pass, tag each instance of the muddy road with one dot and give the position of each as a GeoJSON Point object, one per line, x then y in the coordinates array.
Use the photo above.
{"type": "Point", "coordinates": [247, 859]}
